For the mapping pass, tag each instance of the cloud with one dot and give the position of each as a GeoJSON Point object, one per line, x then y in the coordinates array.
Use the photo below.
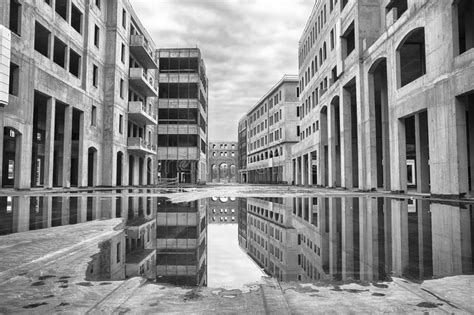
{"type": "Point", "coordinates": [247, 46]}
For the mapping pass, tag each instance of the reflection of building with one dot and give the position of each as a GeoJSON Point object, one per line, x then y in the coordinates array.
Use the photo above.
{"type": "Point", "coordinates": [271, 130]}
{"type": "Point", "coordinates": [223, 160]}
{"type": "Point", "coordinates": [372, 76]}
{"type": "Point", "coordinates": [242, 150]}
{"type": "Point", "coordinates": [81, 95]}
{"type": "Point", "coordinates": [242, 221]}
{"type": "Point", "coordinates": [182, 115]}
{"type": "Point", "coordinates": [182, 243]}
{"type": "Point", "coordinates": [222, 210]}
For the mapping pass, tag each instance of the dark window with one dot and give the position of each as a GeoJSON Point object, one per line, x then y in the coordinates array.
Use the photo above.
{"type": "Point", "coordinates": [95, 76]}
{"type": "Point", "coordinates": [186, 65]}
{"type": "Point", "coordinates": [178, 116]}
{"type": "Point", "coordinates": [61, 8]}
{"type": "Point", "coordinates": [332, 39]}
{"type": "Point", "coordinates": [122, 53]}
{"type": "Point", "coordinates": [465, 18]}
{"type": "Point", "coordinates": [97, 3]}
{"type": "Point", "coordinates": [178, 90]}
{"type": "Point", "coordinates": [400, 5]}
{"type": "Point", "coordinates": [119, 249]}
{"type": "Point", "coordinates": [76, 19]}
{"type": "Point", "coordinates": [94, 116]}
{"type": "Point", "coordinates": [42, 36]}
{"type": "Point", "coordinates": [74, 63]}
{"type": "Point", "coordinates": [96, 36]}
{"type": "Point", "coordinates": [122, 88]}
{"type": "Point", "coordinates": [59, 53]}
{"type": "Point", "coordinates": [343, 4]}
{"type": "Point", "coordinates": [14, 79]}
{"type": "Point", "coordinates": [348, 41]}
{"type": "Point", "coordinates": [124, 18]}
{"type": "Point", "coordinates": [412, 57]}
{"type": "Point", "coordinates": [121, 124]}
{"type": "Point", "coordinates": [15, 17]}
{"type": "Point", "coordinates": [178, 140]}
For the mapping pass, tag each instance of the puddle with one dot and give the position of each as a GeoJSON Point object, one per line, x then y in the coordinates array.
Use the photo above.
{"type": "Point", "coordinates": [34, 305]}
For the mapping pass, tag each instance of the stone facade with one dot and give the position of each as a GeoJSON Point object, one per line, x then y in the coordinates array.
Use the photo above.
{"type": "Point", "coordinates": [223, 161]}
{"type": "Point", "coordinates": [82, 95]}
{"type": "Point", "coordinates": [223, 210]}
{"type": "Point", "coordinates": [183, 115]}
{"type": "Point", "coordinates": [386, 96]}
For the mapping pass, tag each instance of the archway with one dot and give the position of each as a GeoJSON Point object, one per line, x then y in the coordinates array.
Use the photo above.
{"type": "Point", "coordinates": [223, 171]}
{"type": "Point", "coordinates": [378, 90]}
{"type": "Point", "coordinates": [411, 57]}
{"type": "Point", "coordinates": [233, 172]}
{"type": "Point", "coordinates": [118, 178]}
{"type": "Point", "coordinates": [215, 173]}
{"type": "Point", "coordinates": [91, 167]}
{"type": "Point", "coordinates": [11, 156]}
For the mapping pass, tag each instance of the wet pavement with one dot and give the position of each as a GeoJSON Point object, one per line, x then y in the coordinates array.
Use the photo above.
{"type": "Point", "coordinates": [260, 252]}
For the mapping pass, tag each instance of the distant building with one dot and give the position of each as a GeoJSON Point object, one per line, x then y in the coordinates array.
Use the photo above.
{"type": "Point", "coordinates": [271, 132]}
{"type": "Point", "coordinates": [242, 150]}
{"type": "Point", "coordinates": [223, 160]}
{"type": "Point", "coordinates": [223, 210]}
{"type": "Point", "coordinates": [78, 104]}
{"type": "Point", "coordinates": [182, 115]}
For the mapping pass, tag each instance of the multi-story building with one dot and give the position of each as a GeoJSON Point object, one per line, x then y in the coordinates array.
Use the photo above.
{"type": "Point", "coordinates": [82, 95]}
{"type": "Point", "coordinates": [242, 150]}
{"type": "Point", "coordinates": [386, 101]}
{"type": "Point", "coordinates": [271, 131]}
{"type": "Point", "coordinates": [183, 115]}
{"type": "Point", "coordinates": [181, 248]}
{"type": "Point", "coordinates": [223, 210]}
{"type": "Point", "coordinates": [223, 161]}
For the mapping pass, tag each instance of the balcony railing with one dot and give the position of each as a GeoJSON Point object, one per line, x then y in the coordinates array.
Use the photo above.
{"type": "Point", "coordinates": [139, 145]}
{"type": "Point", "coordinates": [143, 82]}
{"type": "Point", "coordinates": [138, 112]}
{"type": "Point", "coordinates": [140, 48]}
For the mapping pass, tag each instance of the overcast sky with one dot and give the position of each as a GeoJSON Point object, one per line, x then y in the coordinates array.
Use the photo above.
{"type": "Point", "coordinates": [247, 46]}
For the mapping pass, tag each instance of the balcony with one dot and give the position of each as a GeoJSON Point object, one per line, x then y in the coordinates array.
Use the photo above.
{"type": "Point", "coordinates": [142, 51]}
{"type": "Point", "coordinates": [140, 146]}
{"type": "Point", "coordinates": [142, 82]}
{"type": "Point", "coordinates": [138, 112]}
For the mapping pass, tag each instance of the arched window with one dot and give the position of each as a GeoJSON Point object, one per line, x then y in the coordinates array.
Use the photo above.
{"type": "Point", "coordinates": [411, 57]}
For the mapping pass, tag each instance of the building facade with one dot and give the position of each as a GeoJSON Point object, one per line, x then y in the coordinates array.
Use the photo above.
{"type": "Point", "coordinates": [183, 115]}
{"type": "Point", "coordinates": [82, 95]}
{"type": "Point", "coordinates": [242, 150]}
{"type": "Point", "coordinates": [223, 161]}
{"type": "Point", "coordinates": [386, 102]}
{"type": "Point", "coordinates": [271, 132]}
{"type": "Point", "coordinates": [223, 210]}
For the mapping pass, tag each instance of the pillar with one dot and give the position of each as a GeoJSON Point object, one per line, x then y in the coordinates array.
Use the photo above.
{"type": "Point", "coordinates": [83, 156]}
{"type": "Point", "coordinates": [332, 178]}
{"type": "Point", "coordinates": [422, 153]}
{"type": "Point", "coordinates": [67, 146]}
{"type": "Point", "coordinates": [310, 170]}
{"type": "Point", "coordinates": [49, 142]}
{"type": "Point", "coordinates": [399, 236]}
{"type": "Point", "coordinates": [21, 214]}
{"type": "Point", "coordinates": [334, 235]}
{"type": "Point", "coordinates": [347, 243]}
{"type": "Point", "coordinates": [47, 211]}
{"type": "Point", "coordinates": [346, 139]}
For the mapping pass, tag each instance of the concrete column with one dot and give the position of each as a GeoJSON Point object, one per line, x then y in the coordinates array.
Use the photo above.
{"type": "Point", "coordinates": [47, 211]}
{"type": "Point", "coordinates": [21, 214]}
{"type": "Point", "coordinates": [399, 236]}
{"type": "Point", "coordinates": [310, 170]}
{"type": "Point", "coordinates": [334, 235]}
{"type": "Point", "coordinates": [399, 154]}
{"type": "Point", "coordinates": [347, 244]}
{"type": "Point", "coordinates": [422, 153]}
{"type": "Point", "coordinates": [81, 209]}
{"type": "Point", "coordinates": [194, 169]}
{"type": "Point", "coordinates": [332, 147]}
{"type": "Point", "coordinates": [49, 142]}
{"type": "Point", "coordinates": [67, 146]}
{"type": "Point", "coordinates": [369, 252]}
{"type": "Point", "coordinates": [23, 159]}
{"type": "Point", "coordinates": [471, 144]}
{"type": "Point", "coordinates": [65, 210]}
{"type": "Point", "coordinates": [136, 171]}
{"type": "Point", "coordinates": [83, 155]}
{"type": "Point", "coordinates": [346, 139]}
{"type": "Point", "coordinates": [387, 210]}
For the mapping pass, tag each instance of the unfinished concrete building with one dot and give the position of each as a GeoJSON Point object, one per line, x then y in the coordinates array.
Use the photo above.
{"type": "Point", "coordinates": [223, 160]}
{"type": "Point", "coordinates": [386, 96]}
{"type": "Point", "coordinates": [271, 132]}
{"type": "Point", "coordinates": [183, 115]}
{"type": "Point", "coordinates": [82, 95]}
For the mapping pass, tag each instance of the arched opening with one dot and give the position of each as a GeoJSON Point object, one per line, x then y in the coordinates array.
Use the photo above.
{"type": "Point", "coordinates": [335, 143]}
{"type": "Point", "coordinates": [149, 172]}
{"type": "Point", "coordinates": [223, 172]}
{"type": "Point", "coordinates": [411, 57]}
{"type": "Point", "coordinates": [141, 165]}
{"type": "Point", "coordinates": [131, 173]}
{"type": "Point", "coordinates": [118, 176]}
{"type": "Point", "coordinates": [378, 92]}
{"type": "Point", "coordinates": [233, 172]}
{"type": "Point", "coordinates": [323, 117]}
{"type": "Point", "coordinates": [91, 167]}
{"type": "Point", "coordinates": [11, 156]}
{"type": "Point", "coordinates": [215, 173]}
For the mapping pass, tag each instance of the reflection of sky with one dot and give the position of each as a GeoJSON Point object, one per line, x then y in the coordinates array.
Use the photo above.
{"type": "Point", "coordinates": [228, 265]}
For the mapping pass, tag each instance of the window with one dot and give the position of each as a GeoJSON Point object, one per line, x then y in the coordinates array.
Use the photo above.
{"type": "Point", "coordinates": [332, 39]}
{"type": "Point", "coordinates": [411, 51]}
{"type": "Point", "coordinates": [61, 8]}
{"type": "Point", "coordinates": [122, 88]}
{"type": "Point", "coordinates": [15, 17]}
{"type": "Point", "coordinates": [121, 124]}
{"type": "Point", "coordinates": [98, 4]}
{"type": "Point", "coordinates": [465, 26]}
{"type": "Point", "coordinates": [74, 63]}
{"type": "Point", "coordinates": [42, 36]}
{"type": "Point", "coordinates": [59, 53]}
{"type": "Point", "coordinates": [343, 4]}
{"type": "Point", "coordinates": [96, 36]}
{"type": "Point", "coordinates": [48, 2]}
{"type": "Point", "coordinates": [122, 54]}
{"type": "Point", "coordinates": [14, 79]}
{"type": "Point", "coordinates": [95, 75]}
{"type": "Point", "coordinates": [118, 248]}
{"type": "Point", "coordinates": [348, 41]}
{"type": "Point", "coordinates": [124, 18]}
{"type": "Point", "coordinates": [399, 5]}
{"type": "Point", "coordinates": [76, 19]}
{"type": "Point", "coordinates": [94, 116]}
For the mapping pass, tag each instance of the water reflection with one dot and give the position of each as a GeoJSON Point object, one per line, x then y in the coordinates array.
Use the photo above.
{"type": "Point", "coordinates": [307, 239]}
